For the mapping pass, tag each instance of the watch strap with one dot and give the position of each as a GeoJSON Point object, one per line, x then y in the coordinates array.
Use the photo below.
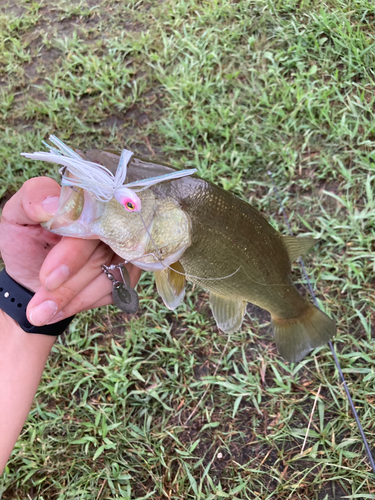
{"type": "Point", "coordinates": [14, 299]}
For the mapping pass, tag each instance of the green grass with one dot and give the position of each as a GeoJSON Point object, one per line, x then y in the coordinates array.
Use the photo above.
{"type": "Point", "coordinates": [234, 89]}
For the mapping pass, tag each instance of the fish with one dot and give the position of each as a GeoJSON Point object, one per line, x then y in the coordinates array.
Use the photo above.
{"type": "Point", "coordinates": [189, 229]}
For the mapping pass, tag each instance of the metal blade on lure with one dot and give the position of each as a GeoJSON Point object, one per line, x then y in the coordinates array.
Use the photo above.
{"type": "Point", "coordinates": [124, 296]}
{"type": "Point", "coordinates": [354, 411]}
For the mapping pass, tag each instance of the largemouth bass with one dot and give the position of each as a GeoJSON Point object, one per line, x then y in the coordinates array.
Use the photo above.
{"type": "Point", "coordinates": [190, 229]}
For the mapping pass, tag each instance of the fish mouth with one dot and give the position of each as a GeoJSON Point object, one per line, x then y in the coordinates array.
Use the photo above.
{"type": "Point", "coordinates": [76, 211]}
{"type": "Point", "coordinates": [150, 262]}
{"type": "Point", "coordinates": [152, 241]}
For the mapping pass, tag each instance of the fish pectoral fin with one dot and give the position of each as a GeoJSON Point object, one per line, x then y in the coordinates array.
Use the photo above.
{"type": "Point", "coordinates": [228, 313]}
{"type": "Point", "coordinates": [170, 283]}
{"type": "Point", "coordinates": [298, 246]}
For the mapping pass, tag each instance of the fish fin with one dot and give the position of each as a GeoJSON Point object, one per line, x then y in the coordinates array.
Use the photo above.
{"type": "Point", "coordinates": [228, 313]}
{"type": "Point", "coordinates": [298, 246]}
{"type": "Point", "coordinates": [170, 283]}
{"type": "Point", "coordinates": [296, 337]}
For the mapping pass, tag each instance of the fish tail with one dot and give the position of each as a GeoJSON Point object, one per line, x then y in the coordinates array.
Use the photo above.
{"type": "Point", "coordinates": [296, 337]}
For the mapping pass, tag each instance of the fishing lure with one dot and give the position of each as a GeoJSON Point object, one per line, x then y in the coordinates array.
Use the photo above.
{"type": "Point", "coordinates": [105, 186]}
{"type": "Point", "coordinates": [100, 180]}
{"type": "Point", "coordinates": [124, 296]}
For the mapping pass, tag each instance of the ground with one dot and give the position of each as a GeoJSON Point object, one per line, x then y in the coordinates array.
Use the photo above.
{"type": "Point", "coordinates": [234, 89]}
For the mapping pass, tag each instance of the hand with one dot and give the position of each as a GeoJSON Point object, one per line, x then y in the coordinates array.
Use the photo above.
{"type": "Point", "coordinates": [64, 272]}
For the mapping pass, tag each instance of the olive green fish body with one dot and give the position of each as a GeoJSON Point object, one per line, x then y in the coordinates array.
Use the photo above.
{"type": "Point", "coordinates": [240, 254]}
{"type": "Point", "coordinates": [191, 228]}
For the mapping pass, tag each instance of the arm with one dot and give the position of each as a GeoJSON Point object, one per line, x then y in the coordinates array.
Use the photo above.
{"type": "Point", "coordinates": [66, 276]}
{"type": "Point", "coordinates": [22, 359]}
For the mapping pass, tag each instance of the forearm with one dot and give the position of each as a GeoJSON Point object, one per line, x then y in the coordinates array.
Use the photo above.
{"type": "Point", "coordinates": [22, 360]}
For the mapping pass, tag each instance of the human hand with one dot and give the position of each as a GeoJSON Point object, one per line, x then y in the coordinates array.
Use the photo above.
{"type": "Point", "coordinates": [64, 272]}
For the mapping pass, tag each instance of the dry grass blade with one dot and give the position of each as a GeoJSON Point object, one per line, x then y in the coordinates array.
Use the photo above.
{"type": "Point", "coordinates": [310, 419]}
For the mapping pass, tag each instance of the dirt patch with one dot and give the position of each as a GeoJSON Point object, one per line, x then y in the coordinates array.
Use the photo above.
{"type": "Point", "coordinates": [333, 491]}
{"type": "Point", "coordinates": [14, 8]}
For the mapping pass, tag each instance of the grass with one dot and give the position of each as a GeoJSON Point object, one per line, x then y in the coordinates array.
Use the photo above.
{"type": "Point", "coordinates": [234, 89]}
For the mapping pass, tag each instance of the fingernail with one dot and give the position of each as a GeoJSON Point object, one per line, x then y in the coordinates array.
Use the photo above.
{"type": "Point", "coordinates": [57, 318]}
{"type": "Point", "coordinates": [51, 204]}
{"type": "Point", "coordinates": [44, 312]}
{"type": "Point", "coordinates": [57, 277]}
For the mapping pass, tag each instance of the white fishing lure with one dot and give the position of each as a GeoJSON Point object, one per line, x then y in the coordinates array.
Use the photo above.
{"type": "Point", "coordinates": [99, 180]}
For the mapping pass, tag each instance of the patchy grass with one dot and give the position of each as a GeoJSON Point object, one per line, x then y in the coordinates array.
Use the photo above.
{"type": "Point", "coordinates": [234, 89]}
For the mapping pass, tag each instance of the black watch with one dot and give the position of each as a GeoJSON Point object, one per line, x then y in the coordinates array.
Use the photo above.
{"type": "Point", "coordinates": [13, 301]}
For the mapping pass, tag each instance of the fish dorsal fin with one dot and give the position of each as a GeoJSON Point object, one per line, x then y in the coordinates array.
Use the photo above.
{"type": "Point", "coordinates": [228, 313]}
{"type": "Point", "coordinates": [170, 283]}
{"type": "Point", "coordinates": [298, 246]}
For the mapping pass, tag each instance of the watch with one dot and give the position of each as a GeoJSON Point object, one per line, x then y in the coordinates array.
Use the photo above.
{"type": "Point", "coordinates": [14, 299]}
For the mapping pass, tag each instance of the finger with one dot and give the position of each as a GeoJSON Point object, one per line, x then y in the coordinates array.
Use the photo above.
{"type": "Point", "coordinates": [96, 294]}
{"type": "Point", "coordinates": [35, 202]}
{"type": "Point", "coordinates": [46, 305]}
{"type": "Point", "coordinates": [68, 257]}
{"type": "Point", "coordinates": [89, 297]}
{"type": "Point", "coordinates": [107, 300]}
{"type": "Point", "coordinates": [79, 303]}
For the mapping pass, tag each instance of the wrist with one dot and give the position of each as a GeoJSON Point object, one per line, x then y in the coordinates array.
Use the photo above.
{"type": "Point", "coordinates": [14, 299]}
{"type": "Point", "coordinates": [7, 323]}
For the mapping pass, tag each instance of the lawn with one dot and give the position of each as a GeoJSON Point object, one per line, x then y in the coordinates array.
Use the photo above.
{"type": "Point", "coordinates": [234, 89]}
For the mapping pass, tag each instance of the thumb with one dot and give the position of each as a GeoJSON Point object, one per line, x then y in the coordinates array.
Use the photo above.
{"type": "Point", "coordinates": [35, 202]}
